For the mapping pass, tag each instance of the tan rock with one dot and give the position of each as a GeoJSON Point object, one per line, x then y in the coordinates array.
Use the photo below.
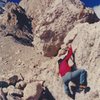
{"type": "Point", "coordinates": [10, 97]}
{"type": "Point", "coordinates": [1, 59]}
{"type": "Point", "coordinates": [51, 23]}
{"type": "Point", "coordinates": [21, 85]}
{"type": "Point", "coordinates": [10, 88]}
{"type": "Point", "coordinates": [13, 80]}
{"type": "Point", "coordinates": [5, 90]}
{"type": "Point", "coordinates": [33, 89]}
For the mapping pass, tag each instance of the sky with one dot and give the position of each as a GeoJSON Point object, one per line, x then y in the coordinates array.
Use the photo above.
{"type": "Point", "coordinates": [91, 3]}
{"type": "Point", "coordinates": [16, 1]}
{"type": "Point", "coordinates": [95, 4]}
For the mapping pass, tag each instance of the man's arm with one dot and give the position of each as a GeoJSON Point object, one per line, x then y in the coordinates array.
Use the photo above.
{"type": "Point", "coordinates": [57, 69]}
{"type": "Point", "coordinates": [69, 53]}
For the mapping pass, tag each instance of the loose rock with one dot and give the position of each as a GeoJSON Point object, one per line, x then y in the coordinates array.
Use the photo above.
{"type": "Point", "coordinates": [21, 85]}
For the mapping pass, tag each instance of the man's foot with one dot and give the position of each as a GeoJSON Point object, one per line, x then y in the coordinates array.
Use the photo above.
{"type": "Point", "coordinates": [83, 86]}
{"type": "Point", "coordinates": [87, 90]}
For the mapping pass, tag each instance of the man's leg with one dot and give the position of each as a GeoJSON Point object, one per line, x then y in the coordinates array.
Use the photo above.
{"type": "Point", "coordinates": [81, 74]}
{"type": "Point", "coordinates": [66, 80]}
{"type": "Point", "coordinates": [66, 88]}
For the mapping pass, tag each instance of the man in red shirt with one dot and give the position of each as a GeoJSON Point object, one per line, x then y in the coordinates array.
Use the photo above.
{"type": "Point", "coordinates": [66, 73]}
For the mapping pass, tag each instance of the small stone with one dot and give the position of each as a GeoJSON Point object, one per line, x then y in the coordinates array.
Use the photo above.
{"type": "Point", "coordinates": [16, 92]}
{"type": "Point", "coordinates": [13, 80]}
{"type": "Point", "coordinates": [2, 95]}
{"type": "Point", "coordinates": [10, 97]}
{"type": "Point", "coordinates": [95, 94]}
{"type": "Point", "coordinates": [1, 59]}
{"type": "Point", "coordinates": [1, 46]}
{"type": "Point", "coordinates": [21, 85]}
{"type": "Point", "coordinates": [10, 57]}
{"type": "Point", "coordinates": [5, 90]}
{"type": "Point", "coordinates": [32, 89]}
{"type": "Point", "coordinates": [17, 52]}
{"type": "Point", "coordinates": [10, 88]}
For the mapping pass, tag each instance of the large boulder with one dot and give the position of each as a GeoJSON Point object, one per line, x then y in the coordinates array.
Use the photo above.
{"type": "Point", "coordinates": [87, 43]}
{"type": "Point", "coordinates": [16, 23]}
{"type": "Point", "coordinates": [52, 19]}
{"type": "Point", "coordinates": [87, 56]}
{"type": "Point", "coordinates": [33, 90]}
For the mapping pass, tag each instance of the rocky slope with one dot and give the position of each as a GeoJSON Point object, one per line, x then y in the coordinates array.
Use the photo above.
{"type": "Point", "coordinates": [87, 57]}
{"type": "Point", "coordinates": [87, 54]}
{"type": "Point", "coordinates": [57, 23]}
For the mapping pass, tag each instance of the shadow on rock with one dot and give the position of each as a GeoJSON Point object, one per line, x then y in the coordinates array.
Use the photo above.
{"type": "Point", "coordinates": [3, 84]}
{"type": "Point", "coordinates": [17, 24]}
{"type": "Point", "coordinates": [45, 95]}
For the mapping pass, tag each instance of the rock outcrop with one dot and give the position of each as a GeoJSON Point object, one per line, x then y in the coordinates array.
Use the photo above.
{"type": "Point", "coordinates": [52, 19]}
{"type": "Point", "coordinates": [87, 56]}
{"type": "Point", "coordinates": [15, 23]}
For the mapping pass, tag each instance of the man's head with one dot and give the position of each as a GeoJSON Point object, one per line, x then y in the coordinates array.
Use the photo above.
{"type": "Point", "coordinates": [64, 49]}
{"type": "Point", "coordinates": [62, 52]}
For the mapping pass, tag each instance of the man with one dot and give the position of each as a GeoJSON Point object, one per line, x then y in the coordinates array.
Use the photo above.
{"type": "Point", "coordinates": [66, 73]}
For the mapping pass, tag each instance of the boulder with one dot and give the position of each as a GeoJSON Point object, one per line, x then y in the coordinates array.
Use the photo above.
{"type": "Point", "coordinates": [5, 90]}
{"type": "Point", "coordinates": [14, 92]}
{"type": "Point", "coordinates": [87, 45]}
{"type": "Point", "coordinates": [21, 85]}
{"type": "Point", "coordinates": [13, 80]}
{"type": "Point", "coordinates": [17, 24]}
{"type": "Point", "coordinates": [10, 88]}
{"type": "Point", "coordinates": [53, 19]}
{"type": "Point", "coordinates": [2, 95]}
{"type": "Point", "coordinates": [33, 89]}
{"type": "Point", "coordinates": [10, 97]}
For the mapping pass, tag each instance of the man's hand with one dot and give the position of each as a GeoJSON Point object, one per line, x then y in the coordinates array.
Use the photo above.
{"type": "Point", "coordinates": [68, 46]}
{"type": "Point", "coordinates": [62, 52]}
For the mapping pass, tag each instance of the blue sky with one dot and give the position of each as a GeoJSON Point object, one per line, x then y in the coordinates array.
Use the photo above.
{"type": "Point", "coordinates": [16, 1]}
{"type": "Point", "coordinates": [91, 3]}
{"type": "Point", "coordinates": [95, 4]}
{"type": "Point", "coordinates": [88, 3]}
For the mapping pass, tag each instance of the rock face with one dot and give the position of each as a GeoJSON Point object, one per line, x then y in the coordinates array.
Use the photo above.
{"type": "Point", "coordinates": [53, 27]}
{"type": "Point", "coordinates": [52, 20]}
{"type": "Point", "coordinates": [15, 23]}
{"type": "Point", "coordinates": [87, 55]}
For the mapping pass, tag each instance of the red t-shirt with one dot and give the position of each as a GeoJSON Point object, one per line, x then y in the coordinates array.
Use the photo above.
{"type": "Point", "coordinates": [64, 66]}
